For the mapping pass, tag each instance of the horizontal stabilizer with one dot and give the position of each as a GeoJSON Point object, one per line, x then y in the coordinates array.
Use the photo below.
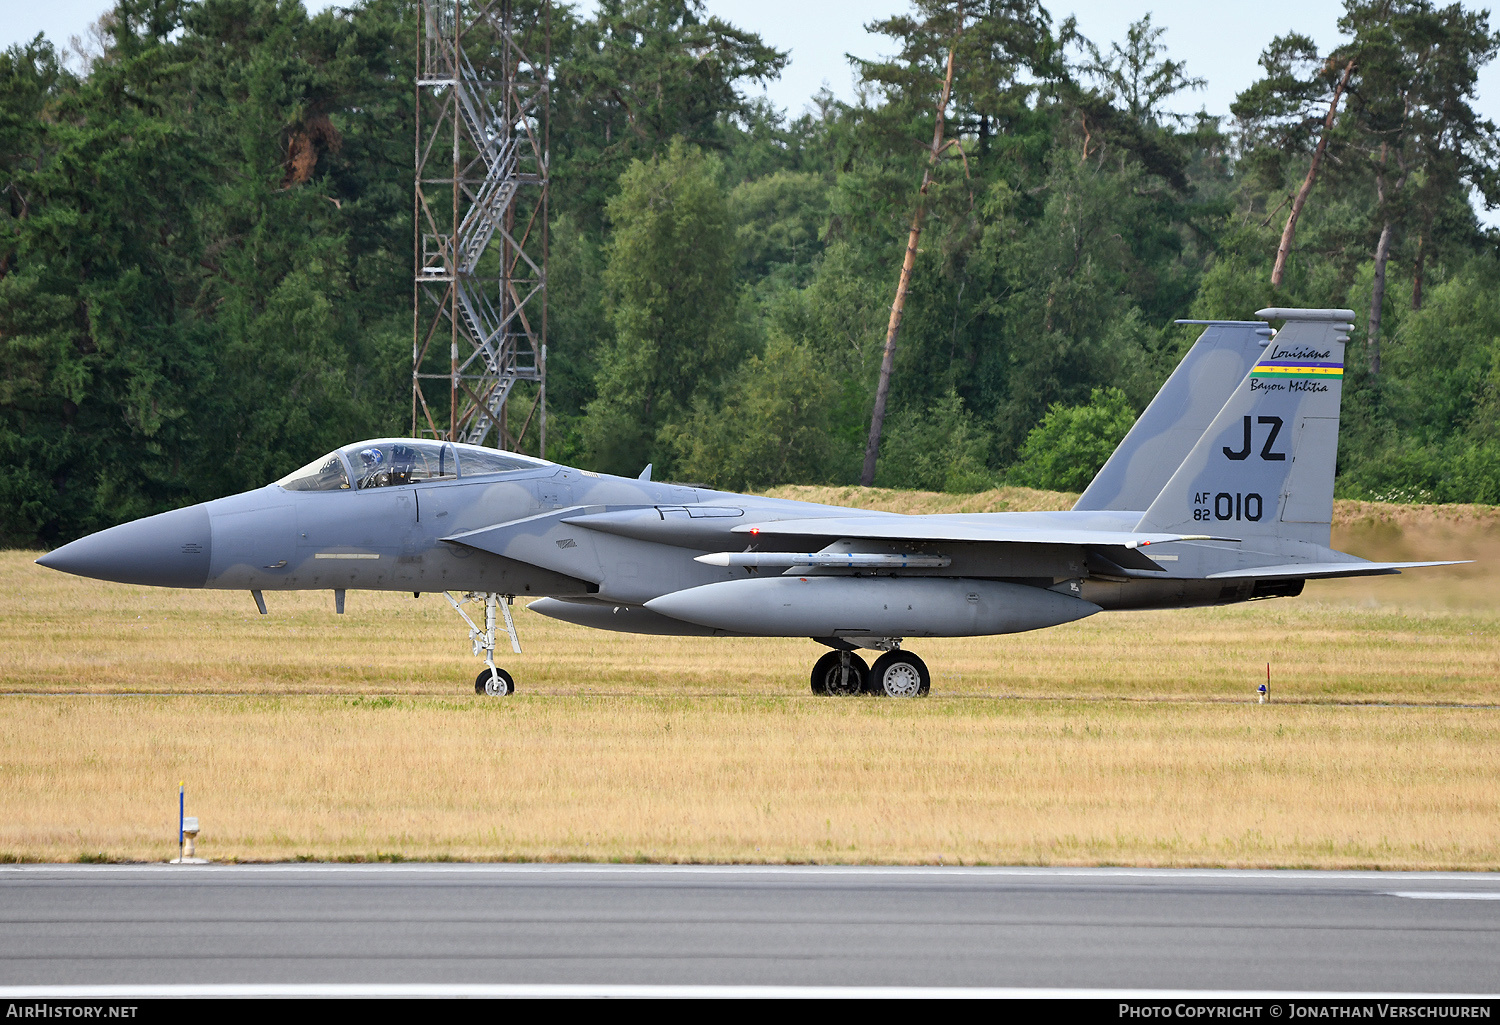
{"type": "Point", "coordinates": [1328, 570]}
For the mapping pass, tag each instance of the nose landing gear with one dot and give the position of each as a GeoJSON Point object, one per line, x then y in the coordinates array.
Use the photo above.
{"type": "Point", "coordinates": [493, 681]}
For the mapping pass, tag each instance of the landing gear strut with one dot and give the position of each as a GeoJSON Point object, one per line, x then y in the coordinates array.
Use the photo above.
{"type": "Point", "coordinates": [493, 681]}
{"type": "Point", "coordinates": [839, 674]}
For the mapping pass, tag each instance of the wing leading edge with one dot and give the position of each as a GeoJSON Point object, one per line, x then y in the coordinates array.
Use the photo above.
{"type": "Point", "coordinates": [1329, 570]}
{"type": "Point", "coordinates": [900, 527]}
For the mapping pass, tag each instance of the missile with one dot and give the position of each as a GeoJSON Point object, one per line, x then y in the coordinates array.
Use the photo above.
{"type": "Point", "coordinates": [819, 606]}
{"type": "Point", "coordinates": [837, 560]}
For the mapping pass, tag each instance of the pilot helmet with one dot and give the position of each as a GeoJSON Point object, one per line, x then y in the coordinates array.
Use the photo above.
{"type": "Point", "coordinates": [371, 456]}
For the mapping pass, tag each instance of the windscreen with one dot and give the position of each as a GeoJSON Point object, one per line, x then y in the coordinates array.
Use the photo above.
{"type": "Point", "coordinates": [326, 473]}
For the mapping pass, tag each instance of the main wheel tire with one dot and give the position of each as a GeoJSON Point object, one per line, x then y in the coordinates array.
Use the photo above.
{"type": "Point", "coordinates": [829, 676]}
{"type": "Point", "coordinates": [899, 674]}
{"type": "Point", "coordinates": [497, 685]}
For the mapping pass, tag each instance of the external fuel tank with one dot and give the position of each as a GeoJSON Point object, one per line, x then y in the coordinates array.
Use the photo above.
{"type": "Point", "coordinates": [848, 606]}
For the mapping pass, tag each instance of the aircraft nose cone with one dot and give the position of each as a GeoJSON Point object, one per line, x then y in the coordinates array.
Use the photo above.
{"type": "Point", "coordinates": [167, 550]}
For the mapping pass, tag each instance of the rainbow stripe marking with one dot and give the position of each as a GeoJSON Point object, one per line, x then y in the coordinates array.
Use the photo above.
{"type": "Point", "coordinates": [1298, 368]}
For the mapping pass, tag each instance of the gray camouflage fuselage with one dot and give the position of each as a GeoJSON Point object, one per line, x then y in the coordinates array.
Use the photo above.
{"type": "Point", "coordinates": [393, 539]}
{"type": "Point", "coordinates": [1233, 463]}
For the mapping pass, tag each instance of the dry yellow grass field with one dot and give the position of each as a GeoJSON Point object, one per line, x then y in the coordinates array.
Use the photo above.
{"type": "Point", "coordinates": [752, 779]}
{"type": "Point", "coordinates": [1126, 738]}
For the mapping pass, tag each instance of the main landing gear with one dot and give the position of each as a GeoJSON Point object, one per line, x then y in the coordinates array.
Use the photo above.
{"type": "Point", "coordinates": [840, 674]}
{"type": "Point", "coordinates": [492, 681]}
{"type": "Point", "coordinates": [895, 674]}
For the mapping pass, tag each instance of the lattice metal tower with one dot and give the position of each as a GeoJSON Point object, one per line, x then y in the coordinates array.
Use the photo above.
{"type": "Point", "coordinates": [480, 214]}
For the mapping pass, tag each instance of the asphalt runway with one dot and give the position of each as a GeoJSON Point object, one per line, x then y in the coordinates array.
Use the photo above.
{"type": "Point", "coordinates": [494, 928]}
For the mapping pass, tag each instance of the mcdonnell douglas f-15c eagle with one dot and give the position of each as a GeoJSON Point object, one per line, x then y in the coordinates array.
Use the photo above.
{"type": "Point", "coordinates": [1222, 492]}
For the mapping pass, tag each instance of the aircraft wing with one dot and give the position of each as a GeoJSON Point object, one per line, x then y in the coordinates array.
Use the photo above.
{"type": "Point", "coordinates": [1328, 570]}
{"type": "Point", "coordinates": [898, 527]}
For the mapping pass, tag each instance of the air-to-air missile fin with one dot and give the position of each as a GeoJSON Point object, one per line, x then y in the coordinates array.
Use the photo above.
{"type": "Point", "coordinates": [1174, 421]}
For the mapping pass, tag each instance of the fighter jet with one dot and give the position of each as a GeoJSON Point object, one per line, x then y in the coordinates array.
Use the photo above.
{"type": "Point", "coordinates": [1222, 492]}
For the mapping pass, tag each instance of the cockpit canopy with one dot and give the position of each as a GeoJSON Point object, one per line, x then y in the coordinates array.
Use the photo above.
{"type": "Point", "coordinates": [392, 462]}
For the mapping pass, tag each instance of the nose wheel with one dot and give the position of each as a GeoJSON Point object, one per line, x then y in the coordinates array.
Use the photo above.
{"type": "Point", "coordinates": [494, 682]}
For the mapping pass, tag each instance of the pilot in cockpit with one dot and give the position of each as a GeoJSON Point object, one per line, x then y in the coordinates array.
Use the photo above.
{"type": "Point", "coordinates": [372, 473]}
{"type": "Point", "coordinates": [378, 471]}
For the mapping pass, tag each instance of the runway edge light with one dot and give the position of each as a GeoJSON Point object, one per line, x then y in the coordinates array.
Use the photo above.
{"type": "Point", "coordinates": [187, 832]}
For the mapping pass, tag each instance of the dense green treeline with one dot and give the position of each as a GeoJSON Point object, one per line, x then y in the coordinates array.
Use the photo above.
{"type": "Point", "coordinates": [205, 247]}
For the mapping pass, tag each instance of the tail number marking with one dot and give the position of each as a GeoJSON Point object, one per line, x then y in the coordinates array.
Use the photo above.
{"type": "Point", "coordinates": [1228, 506]}
{"type": "Point", "coordinates": [1275, 423]}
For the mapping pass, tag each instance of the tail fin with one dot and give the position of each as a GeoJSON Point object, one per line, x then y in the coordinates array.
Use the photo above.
{"type": "Point", "coordinates": [1265, 465]}
{"type": "Point", "coordinates": [1166, 432]}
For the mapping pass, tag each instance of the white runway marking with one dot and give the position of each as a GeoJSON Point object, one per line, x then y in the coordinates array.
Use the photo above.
{"type": "Point", "coordinates": [1444, 895]}
{"type": "Point", "coordinates": [565, 991]}
{"type": "Point", "coordinates": [933, 872]}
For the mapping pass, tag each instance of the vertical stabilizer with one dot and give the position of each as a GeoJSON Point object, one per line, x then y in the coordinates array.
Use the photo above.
{"type": "Point", "coordinates": [1265, 465]}
{"type": "Point", "coordinates": [1169, 428]}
